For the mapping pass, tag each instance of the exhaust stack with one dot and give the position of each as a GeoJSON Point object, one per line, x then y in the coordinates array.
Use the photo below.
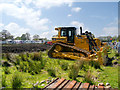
{"type": "Point", "coordinates": [80, 30]}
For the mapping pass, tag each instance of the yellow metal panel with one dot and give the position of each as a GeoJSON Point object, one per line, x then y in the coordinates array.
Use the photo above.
{"type": "Point", "coordinates": [59, 39]}
{"type": "Point", "coordinates": [82, 42]}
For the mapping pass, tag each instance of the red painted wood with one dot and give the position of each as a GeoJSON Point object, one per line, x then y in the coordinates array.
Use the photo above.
{"type": "Point", "coordinates": [51, 83]}
{"type": "Point", "coordinates": [58, 83]}
{"type": "Point", "coordinates": [71, 84]}
{"type": "Point", "coordinates": [63, 84]}
{"type": "Point", "coordinates": [86, 85]}
{"type": "Point", "coordinates": [76, 86]}
{"type": "Point", "coordinates": [64, 88]}
{"type": "Point", "coordinates": [91, 87]}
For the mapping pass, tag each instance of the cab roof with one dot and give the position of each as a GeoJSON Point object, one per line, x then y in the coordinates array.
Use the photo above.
{"type": "Point", "coordinates": [74, 28]}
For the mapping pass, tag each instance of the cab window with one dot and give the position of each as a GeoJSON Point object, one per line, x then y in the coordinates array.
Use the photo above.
{"type": "Point", "coordinates": [63, 33]}
{"type": "Point", "coordinates": [70, 33]}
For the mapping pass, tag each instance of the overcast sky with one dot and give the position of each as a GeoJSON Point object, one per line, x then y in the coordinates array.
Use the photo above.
{"type": "Point", "coordinates": [42, 16]}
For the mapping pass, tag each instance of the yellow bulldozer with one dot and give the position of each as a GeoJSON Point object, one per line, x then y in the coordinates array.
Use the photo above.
{"type": "Point", "coordinates": [68, 45]}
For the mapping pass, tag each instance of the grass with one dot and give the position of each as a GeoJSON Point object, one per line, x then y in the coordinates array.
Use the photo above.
{"type": "Point", "coordinates": [64, 65]}
{"type": "Point", "coordinates": [88, 77]}
{"type": "Point", "coordinates": [110, 75]}
{"type": "Point", "coordinates": [6, 70]}
{"type": "Point", "coordinates": [16, 80]}
{"type": "Point", "coordinates": [34, 69]}
{"type": "Point", "coordinates": [73, 71]}
{"type": "Point", "coordinates": [51, 72]}
{"type": "Point", "coordinates": [4, 81]}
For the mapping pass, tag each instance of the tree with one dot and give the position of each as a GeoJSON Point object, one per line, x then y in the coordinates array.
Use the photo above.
{"type": "Point", "coordinates": [18, 38]}
{"type": "Point", "coordinates": [45, 39]}
{"type": "Point", "coordinates": [25, 36]}
{"type": "Point", "coordinates": [4, 34]}
{"type": "Point", "coordinates": [114, 38]}
{"type": "Point", "coordinates": [36, 37]}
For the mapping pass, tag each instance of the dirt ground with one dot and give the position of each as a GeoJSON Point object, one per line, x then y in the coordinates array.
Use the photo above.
{"type": "Point", "coordinates": [18, 48]}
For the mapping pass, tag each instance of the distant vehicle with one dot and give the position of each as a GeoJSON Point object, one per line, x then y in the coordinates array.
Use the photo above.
{"type": "Point", "coordinates": [9, 41]}
{"type": "Point", "coordinates": [48, 42]}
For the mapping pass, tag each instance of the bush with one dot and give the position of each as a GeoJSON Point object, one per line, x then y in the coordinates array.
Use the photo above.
{"type": "Point", "coordinates": [80, 63]}
{"type": "Point", "coordinates": [21, 66]}
{"type": "Point", "coordinates": [117, 54]}
{"type": "Point", "coordinates": [86, 67]}
{"type": "Point", "coordinates": [37, 56]}
{"type": "Point", "coordinates": [6, 70]}
{"type": "Point", "coordinates": [58, 62]}
{"type": "Point", "coordinates": [18, 59]}
{"type": "Point", "coordinates": [83, 64]}
{"type": "Point", "coordinates": [3, 55]}
{"type": "Point", "coordinates": [16, 80]}
{"type": "Point", "coordinates": [64, 65]}
{"type": "Point", "coordinates": [34, 67]}
{"type": "Point", "coordinates": [4, 81]}
{"type": "Point", "coordinates": [8, 56]}
{"type": "Point", "coordinates": [27, 54]}
{"type": "Point", "coordinates": [114, 62]}
{"type": "Point", "coordinates": [51, 72]}
{"type": "Point", "coordinates": [95, 64]}
{"type": "Point", "coordinates": [6, 64]}
{"type": "Point", "coordinates": [23, 56]}
{"type": "Point", "coordinates": [25, 66]}
{"type": "Point", "coordinates": [37, 67]}
{"type": "Point", "coordinates": [88, 77]}
{"type": "Point", "coordinates": [43, 62]}
{"type": "Point", "coordinates": [73, 71]}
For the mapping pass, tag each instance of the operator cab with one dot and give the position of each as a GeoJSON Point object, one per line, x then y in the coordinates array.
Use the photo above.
{"type": "Point", "coordinates": [68, 32]}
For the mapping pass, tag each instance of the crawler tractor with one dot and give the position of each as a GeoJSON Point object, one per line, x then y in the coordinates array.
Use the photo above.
{"type": "Point", "coordinates": [69, 45]}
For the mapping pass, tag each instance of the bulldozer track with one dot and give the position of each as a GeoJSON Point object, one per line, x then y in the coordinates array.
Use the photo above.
{"type": "Point", "coordinates": [51, 50]}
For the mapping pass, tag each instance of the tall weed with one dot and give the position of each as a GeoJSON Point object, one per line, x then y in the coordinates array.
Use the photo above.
{"type": "Point", "coordinates": [95, 64]}
{"type": "Point", "coordinates": [80, 63]}
{"type": "Point", "coordinates": [8, 56]}
{"type": "Point", "coordinates": [3, 55]}
{"type": "Point", "coordinates": [4, 84]}
{"type": "Point", "coordinates": [6, 70]}
{"type": "Point", "coordinates": [34, 67]}
{"type": "Point", "coordinates": [18, 59]}
{"type": "Point", "coordinates": [88, 77]}
{"type": "Point", "coordinates": [51, 72]}
{"type": "Point", "coordinates": [64, 65]}
{"type": "Point", "coordinates": [16, 80]}
{"type": "Point", "coordinates": [73, 71]}
{"type": "Point", "coordinates": [23, 56]}
{"type": "Point", "coordinates": [37, 56]}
